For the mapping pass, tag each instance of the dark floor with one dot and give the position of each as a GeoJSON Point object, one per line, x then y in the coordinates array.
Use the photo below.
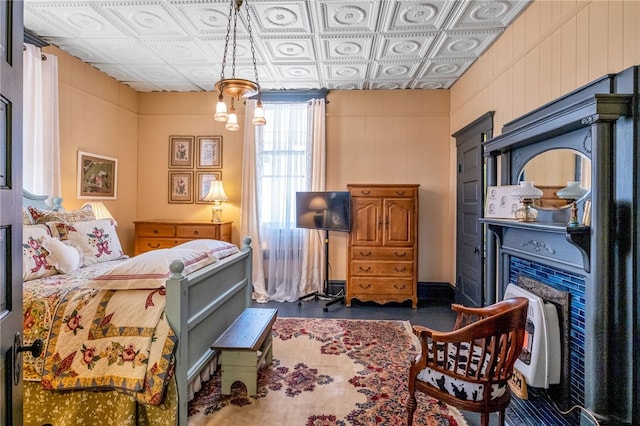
{"type": "Point", "coordinates": [434, 315]}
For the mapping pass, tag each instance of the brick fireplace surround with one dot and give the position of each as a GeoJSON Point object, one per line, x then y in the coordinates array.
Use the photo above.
{"type": "Point", "coordinates": [597, 265]}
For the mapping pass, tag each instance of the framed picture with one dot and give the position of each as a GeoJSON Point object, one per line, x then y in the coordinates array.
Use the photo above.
{"type": "Point", "coordinates": [180, 187]}
{"type": "Point", "coordinates": [209, 152]}
{"type": "Point", "coordinates": [203, 183]}
{"type": "Point", "coordinates": [500, 203]}
{"type": "Point", "coordinates": [97, 176]}
{"type": "Point", "coordinates": [181, 152]}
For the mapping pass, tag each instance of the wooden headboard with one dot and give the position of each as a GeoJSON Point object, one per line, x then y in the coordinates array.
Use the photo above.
{"type": "Point", "coordinates": [39, 201]}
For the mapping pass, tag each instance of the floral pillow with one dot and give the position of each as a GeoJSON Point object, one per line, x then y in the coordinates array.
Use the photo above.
{"type": "Point", "coordinates": [44, 216]}
{"type": "Point", "coordinates": [97, 239]}
{"type": "Point", "coordinates": [220, 249]}
{"type": "Point", "coordinates": [36, 262]}
{"type": "Point", "coordinates": [150, 270]}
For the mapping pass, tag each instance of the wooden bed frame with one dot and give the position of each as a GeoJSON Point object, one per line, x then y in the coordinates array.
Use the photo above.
{"type": "Point", "coordinates": [199, 307]}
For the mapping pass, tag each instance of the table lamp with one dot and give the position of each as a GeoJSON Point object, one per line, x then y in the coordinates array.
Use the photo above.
{"type": "Point", "coordinates": [527, 193]}
{"type": "Point", "coordinates": [217, 195]}
{"type": "Point", "coordinates": [573, 192]}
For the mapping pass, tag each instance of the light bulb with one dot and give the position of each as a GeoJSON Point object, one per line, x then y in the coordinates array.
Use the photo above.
{"type": "Point", "coordinates": [258, 115]}
{"type": "Point", "coordinates": [232, 123]}
{"type": "Point", "coordinates": [221, 110]}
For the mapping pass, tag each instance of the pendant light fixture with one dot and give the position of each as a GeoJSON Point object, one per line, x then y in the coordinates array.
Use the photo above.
{"type": "Point", "coordinates": [237, 88]}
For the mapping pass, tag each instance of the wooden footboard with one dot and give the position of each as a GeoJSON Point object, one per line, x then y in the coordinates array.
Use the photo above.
{"type": "Point", "coordinates": [200, 307]}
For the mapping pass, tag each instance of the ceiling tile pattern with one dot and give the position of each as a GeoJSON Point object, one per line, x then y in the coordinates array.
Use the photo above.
{"type": "Point", "coordinates": [178, 45]}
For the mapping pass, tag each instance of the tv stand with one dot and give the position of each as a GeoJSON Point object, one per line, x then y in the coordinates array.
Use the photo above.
{"type": "Point", "coordinates": [333, 299]}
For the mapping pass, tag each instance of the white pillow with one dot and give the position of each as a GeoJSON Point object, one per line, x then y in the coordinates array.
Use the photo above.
{"type": "Point", "coordinates": [36, 262]}
{"type": "Point", "coordinates": [150, 270]}
{"type": "Point", "coordinates": [63, 257]}
{"type": "Point", "coordinates": [97, 239]}
{"type": "Point", "coordinates": [220, 249]}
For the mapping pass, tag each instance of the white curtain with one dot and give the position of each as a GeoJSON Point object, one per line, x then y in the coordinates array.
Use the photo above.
{"type": "Point", "coordinates": [41, 135]}
{"type": "Point", "coordinates": [287, 260]}
{"type": "Point", "coordinates": [249, 222]}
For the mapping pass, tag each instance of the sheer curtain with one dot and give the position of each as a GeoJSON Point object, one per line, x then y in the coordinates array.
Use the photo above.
{"type": "Point", "coordinates": [286, 156]}
{"type": "Point", "coordinates": [41, 135]}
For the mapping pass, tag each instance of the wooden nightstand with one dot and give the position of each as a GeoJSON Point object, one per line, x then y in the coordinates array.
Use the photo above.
{"type": "Point", "coordinates": [157, 234]}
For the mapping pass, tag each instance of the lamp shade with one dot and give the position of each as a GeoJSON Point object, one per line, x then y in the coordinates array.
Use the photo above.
{"type": "Point", "coordinates": [526, 190]}
{"type": "Point", "coordinates": [573, 191]}
{"type": "Point", "coordinates": [99, 210]}
{"type": "Point", "coordinates": [216, 192]}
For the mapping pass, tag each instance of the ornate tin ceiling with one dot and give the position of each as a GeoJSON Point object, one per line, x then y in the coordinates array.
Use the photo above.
{"type": "Point", "coordinates": [177, 45]}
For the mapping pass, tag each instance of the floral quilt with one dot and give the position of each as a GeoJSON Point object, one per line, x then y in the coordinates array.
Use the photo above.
{"type": "Point", "coordinates": [98, 339]}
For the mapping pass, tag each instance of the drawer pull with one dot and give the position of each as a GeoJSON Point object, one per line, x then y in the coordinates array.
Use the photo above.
{"type": "Point", "coordinates": [363, 269]}
{"type": "Point", "coordinates": [365, 192]}
{"type": "Point", "coordinates": [365, 286]}
{"type": "Point", "coordinates": [153, 245]}
{"type": "Point", "coordinates": [155, 232]}
{"type": "Point", "coordinates": [363, 254]}
{"type": "Point", "coordinates": [400, 192]}
{"type": "Point", "coordinates": [399, 286]}
{"type": "Point", "coordinates": [403, 254]}
{"type": "Point", "coordinates": [196, 232]}
{"type": "Point", "coordinates": [400, 269]}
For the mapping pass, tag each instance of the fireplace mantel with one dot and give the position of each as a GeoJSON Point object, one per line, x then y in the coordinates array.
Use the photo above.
{"type": "Point", "coordinates": [544, 241]}
{"type": "Point", "coordinates": [597, 121]}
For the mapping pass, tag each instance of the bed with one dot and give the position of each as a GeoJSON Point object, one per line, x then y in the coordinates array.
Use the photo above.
{"type": "Point", "coordinates": [103, 368]}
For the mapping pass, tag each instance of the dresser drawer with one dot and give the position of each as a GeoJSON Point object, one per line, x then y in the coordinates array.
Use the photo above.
{"type": "Point", "coordinates": [195, 231]}
{"type": "Point", "coordinates": [382, 192]}
{"type": "Point", "coordinates": [147, 244]}
{"type": "Point", "coordinates": [381, 286]}
{"type": "Point", "coordinates": [393, 269]}
{"type": "Point", "coordinates": [157, 230]}
{"type": "Point", "coordinates": [382, 253]}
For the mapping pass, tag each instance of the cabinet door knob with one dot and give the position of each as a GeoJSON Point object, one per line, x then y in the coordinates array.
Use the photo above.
{"type": "Point", "coordinates": [196, 232]}
{"type": "Point", "coordinates": [155, 232]}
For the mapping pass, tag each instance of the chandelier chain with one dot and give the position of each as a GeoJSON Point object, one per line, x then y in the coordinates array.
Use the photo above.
{"type": "Point", "coordinates": [226, 43]}
{"type": "Point", "coordinates": [253, 51]}
{"type": "Point", "coordinates": [235, 32]}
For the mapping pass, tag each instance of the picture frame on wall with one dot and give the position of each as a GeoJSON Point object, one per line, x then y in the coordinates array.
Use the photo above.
{"type": "Point", "coordinates": [500, 204]}
{"type": "Point", "coordinates": [209, 152]}
{"type": "Point", "coordinates": [203, 183]}
{"type": "Point", "coordinates": [97, 176]}
{"type": "Point", "coordinates": [181, 151]}
{"type": "Point", "coordinates": [180, 187]}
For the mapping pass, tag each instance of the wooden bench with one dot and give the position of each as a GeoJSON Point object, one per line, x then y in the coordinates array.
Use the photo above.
{"type": "Point", "coordinates": [244, 346]}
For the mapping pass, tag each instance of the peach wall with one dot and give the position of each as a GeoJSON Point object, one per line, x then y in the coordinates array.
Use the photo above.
{"type": "Point", "coordinates": [166, 114]}
{"type": "Point", "coordinates": [98, 115]}
{"type": "Point", "coordinates": [395, 137]}
{"type": "Point", "coordinates": [372, 137]}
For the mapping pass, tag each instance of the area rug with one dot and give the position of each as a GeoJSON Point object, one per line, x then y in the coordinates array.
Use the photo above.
{"type": "Point", "coordinates": [327, 372]}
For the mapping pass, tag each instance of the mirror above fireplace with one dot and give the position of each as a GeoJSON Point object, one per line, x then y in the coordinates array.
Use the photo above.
{"type": "Point", "coordinates": [551, 170]}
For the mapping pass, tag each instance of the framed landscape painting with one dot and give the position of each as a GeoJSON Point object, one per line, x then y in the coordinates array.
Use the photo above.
{"type": "Point", "coordinates": [180, 187]}
{"type": "Point", "coordinates": [97, 176]}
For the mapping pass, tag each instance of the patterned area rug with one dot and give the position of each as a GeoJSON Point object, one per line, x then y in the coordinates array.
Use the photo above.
{"type": "Point", "coordinates": [327, 372]}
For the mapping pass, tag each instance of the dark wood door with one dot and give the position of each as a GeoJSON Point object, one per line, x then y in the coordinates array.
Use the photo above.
{"type": "Point", "coordinates": [11, 34]}
{"type": "Point", "coordinates": [470, 235]}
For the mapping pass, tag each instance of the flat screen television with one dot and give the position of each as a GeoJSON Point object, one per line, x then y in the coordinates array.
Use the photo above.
{"type": "Point", "coordinates": [329, 210]}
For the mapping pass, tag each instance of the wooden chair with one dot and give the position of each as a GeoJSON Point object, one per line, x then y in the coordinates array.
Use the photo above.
{"type": "Point", "coordinates": [492, 338]}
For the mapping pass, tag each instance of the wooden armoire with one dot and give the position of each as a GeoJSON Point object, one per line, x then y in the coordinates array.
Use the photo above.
{"type": "Point", "coordinates": [382, 255]}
